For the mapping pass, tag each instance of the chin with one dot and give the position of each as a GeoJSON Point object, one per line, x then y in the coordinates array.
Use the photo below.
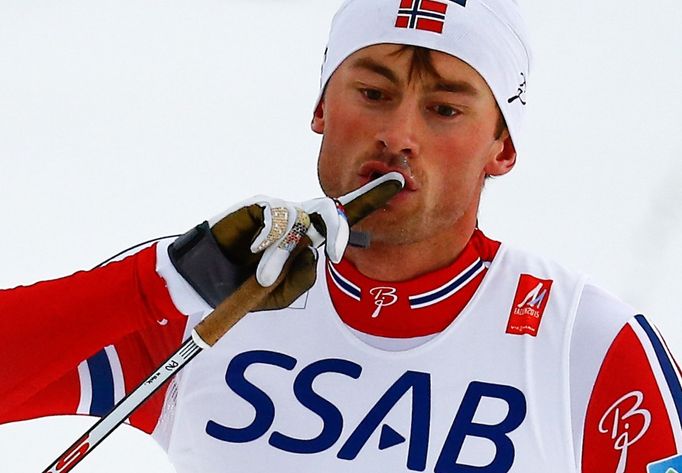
{"type": "Point", "coordinates": [388, 230]}
{"type": "Point", "coordinates": [399, 228]}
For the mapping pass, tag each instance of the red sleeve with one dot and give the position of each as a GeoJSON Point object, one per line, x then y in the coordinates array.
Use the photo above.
{"type": "Point", "coordinates": [117, 320]}
{"type": "Point", "coordinates": [634, 414]}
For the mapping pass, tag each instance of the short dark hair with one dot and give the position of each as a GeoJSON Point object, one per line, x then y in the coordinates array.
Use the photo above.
{"type": "Point", "coordinates": [422, 64]}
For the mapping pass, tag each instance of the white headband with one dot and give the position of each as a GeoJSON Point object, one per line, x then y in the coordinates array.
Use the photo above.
{"type": "Point", "coordinates": [489, 35]}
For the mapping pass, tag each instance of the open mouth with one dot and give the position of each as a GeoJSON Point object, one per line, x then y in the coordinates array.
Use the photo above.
{"type": "Point", "coordinates": [372, 170]}
{"type": "Point", "coordinates": [375, 175]}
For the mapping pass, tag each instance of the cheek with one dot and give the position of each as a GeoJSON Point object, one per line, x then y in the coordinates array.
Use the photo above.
{"type": "Point", "coordinates": [326, 171]}
{"type": "Point", "coordinates": [458, 172]}
{"type": "Point", "coordinates": [342, 145]}
{"type": "Point", "coordinates": [465, 155]}
{"type": "Point", "coordinates": [468, 143]}
{"type": "Point", "coordinates": [346, 127]}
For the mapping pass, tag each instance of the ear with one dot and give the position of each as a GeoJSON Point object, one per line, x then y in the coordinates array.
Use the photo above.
{"type": "Point", "coordinates": [503, 159]}
{"type": "Point", "coordinates": [317, 125]}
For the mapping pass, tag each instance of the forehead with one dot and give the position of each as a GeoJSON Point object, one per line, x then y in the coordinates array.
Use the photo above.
{"type": "Point", "coordinates": [408, 63]}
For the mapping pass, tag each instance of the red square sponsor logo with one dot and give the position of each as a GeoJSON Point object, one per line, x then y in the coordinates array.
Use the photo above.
{"type": "Point", "coordinates": [529, 304]}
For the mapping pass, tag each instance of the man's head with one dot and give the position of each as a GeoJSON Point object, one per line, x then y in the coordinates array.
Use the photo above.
{"type": "Point", "coordinates": [489, 35]}
{"type": "Point", "coordinates": [426, 87]}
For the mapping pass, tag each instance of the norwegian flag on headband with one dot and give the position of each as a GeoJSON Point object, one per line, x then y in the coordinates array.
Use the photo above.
{"type": "Point", "coordinates": [428, 15]}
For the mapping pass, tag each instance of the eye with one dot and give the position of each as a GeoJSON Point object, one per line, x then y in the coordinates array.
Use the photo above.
{"type": "Point", "coordinates": [445, 110]}
{"type": "Point", "coordinates": [372, 94]}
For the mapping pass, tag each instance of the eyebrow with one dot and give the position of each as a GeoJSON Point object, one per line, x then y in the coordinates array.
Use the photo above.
{"type": "Point", "coordinates": [373, 66]}
{"type": "Point", "coordinates": [456, 87]}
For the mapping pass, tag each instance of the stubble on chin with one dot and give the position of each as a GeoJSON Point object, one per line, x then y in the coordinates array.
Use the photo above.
{"type": "Point", "coordinates": [384, 229]}
{"type": "Point", "coordinates": [406, 229]}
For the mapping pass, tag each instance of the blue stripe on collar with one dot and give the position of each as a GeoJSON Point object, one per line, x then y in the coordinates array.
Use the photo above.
{"type": "Point", "coordinates": [448, 289]}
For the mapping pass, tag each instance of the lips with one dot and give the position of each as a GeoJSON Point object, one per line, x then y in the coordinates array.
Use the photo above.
{"type": "Point", "coordinates": [374, 169]}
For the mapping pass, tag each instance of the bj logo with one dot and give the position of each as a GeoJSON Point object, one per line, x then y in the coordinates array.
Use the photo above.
{"type": "Point", "coordinates": [626, 422]}
{"type": "Point", "coordinates": [529, 304]}
{"type": "Point", "coordinates": [383, 297]}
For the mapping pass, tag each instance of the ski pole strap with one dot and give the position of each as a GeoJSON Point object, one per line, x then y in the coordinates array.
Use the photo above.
{"type": "Point", "coordinates": [198, 258]}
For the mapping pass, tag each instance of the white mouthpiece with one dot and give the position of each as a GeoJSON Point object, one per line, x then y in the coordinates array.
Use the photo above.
{"type": "Point", "coordinates": [391, 176]}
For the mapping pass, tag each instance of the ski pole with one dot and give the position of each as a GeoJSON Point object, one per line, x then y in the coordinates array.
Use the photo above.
{"type": "Point", "coordinates": [357, 205]}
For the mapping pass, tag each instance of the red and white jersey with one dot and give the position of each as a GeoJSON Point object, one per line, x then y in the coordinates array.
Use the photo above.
{"type": "Point", "coordinates": [532, 370]}
{"type": "Point", "coordinates": [505, 387]}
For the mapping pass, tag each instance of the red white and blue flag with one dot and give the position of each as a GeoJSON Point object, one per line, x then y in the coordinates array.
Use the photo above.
{"type": "Point", "coordinates": [427, 15]}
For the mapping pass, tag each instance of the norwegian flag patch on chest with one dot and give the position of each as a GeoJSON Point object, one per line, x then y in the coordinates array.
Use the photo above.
{"type": "Point", "coordinates": [529, 305]}
{"type": "Point", "coordinates": [427, 15]}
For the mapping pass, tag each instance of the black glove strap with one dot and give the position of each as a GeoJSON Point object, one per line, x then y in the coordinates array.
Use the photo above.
{"type": "Point", "coordinates": [198, 258]}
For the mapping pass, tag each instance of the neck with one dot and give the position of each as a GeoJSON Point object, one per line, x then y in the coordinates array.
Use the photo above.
{"type": "Point", "coordinates": [387, 262]}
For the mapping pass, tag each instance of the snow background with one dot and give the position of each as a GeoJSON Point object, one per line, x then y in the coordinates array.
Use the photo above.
{"type": "Point", "coordinates": [125, 120]}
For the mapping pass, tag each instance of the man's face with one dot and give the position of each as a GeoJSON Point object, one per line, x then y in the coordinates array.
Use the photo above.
{"type": "Point", "coordinates": [439, 129]}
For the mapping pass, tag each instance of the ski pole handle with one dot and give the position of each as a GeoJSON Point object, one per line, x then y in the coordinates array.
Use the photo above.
{"type": "Point", "coordinates": [247, 296]}
{"type": "Point", "coordinates": [250, 294]}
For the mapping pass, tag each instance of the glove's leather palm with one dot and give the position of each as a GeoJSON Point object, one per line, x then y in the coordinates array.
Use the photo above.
{"type": "Point", "coordinates": [235, 234]}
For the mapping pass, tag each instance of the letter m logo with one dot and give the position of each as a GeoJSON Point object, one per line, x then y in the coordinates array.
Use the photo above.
{"type": "Point", "coordinates": [535, 297]}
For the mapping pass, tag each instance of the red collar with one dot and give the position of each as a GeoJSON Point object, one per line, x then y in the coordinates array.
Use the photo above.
{"type": "Point", "coordinates": [421, 306]}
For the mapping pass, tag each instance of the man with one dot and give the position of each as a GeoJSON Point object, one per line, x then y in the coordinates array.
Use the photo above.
{"type": "Point", "coordinates": [434, 349]}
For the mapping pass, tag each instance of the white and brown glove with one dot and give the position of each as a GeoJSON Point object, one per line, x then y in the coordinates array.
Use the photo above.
{"type": "Point", "coordinates": [259, 235]}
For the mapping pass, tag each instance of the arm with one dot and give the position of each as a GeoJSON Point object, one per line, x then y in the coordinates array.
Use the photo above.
{"type": "Point", "coordinates": [79, 344]}
{"type": "Point", "coordinates": [635, 410]}
{"type": "Point", "coordinates": [212, 258]}
{"type": "Point", "coordinates": [48, 329]}
{"type": "Point", "coordinates": [625, 389]}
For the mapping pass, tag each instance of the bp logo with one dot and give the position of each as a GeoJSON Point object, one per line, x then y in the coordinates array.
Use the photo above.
{"type": "Point", "coordinates": [669, 465]}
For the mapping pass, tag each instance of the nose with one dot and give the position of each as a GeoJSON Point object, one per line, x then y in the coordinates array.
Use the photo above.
{"type": "Point", "coordinates": [398, 131]}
